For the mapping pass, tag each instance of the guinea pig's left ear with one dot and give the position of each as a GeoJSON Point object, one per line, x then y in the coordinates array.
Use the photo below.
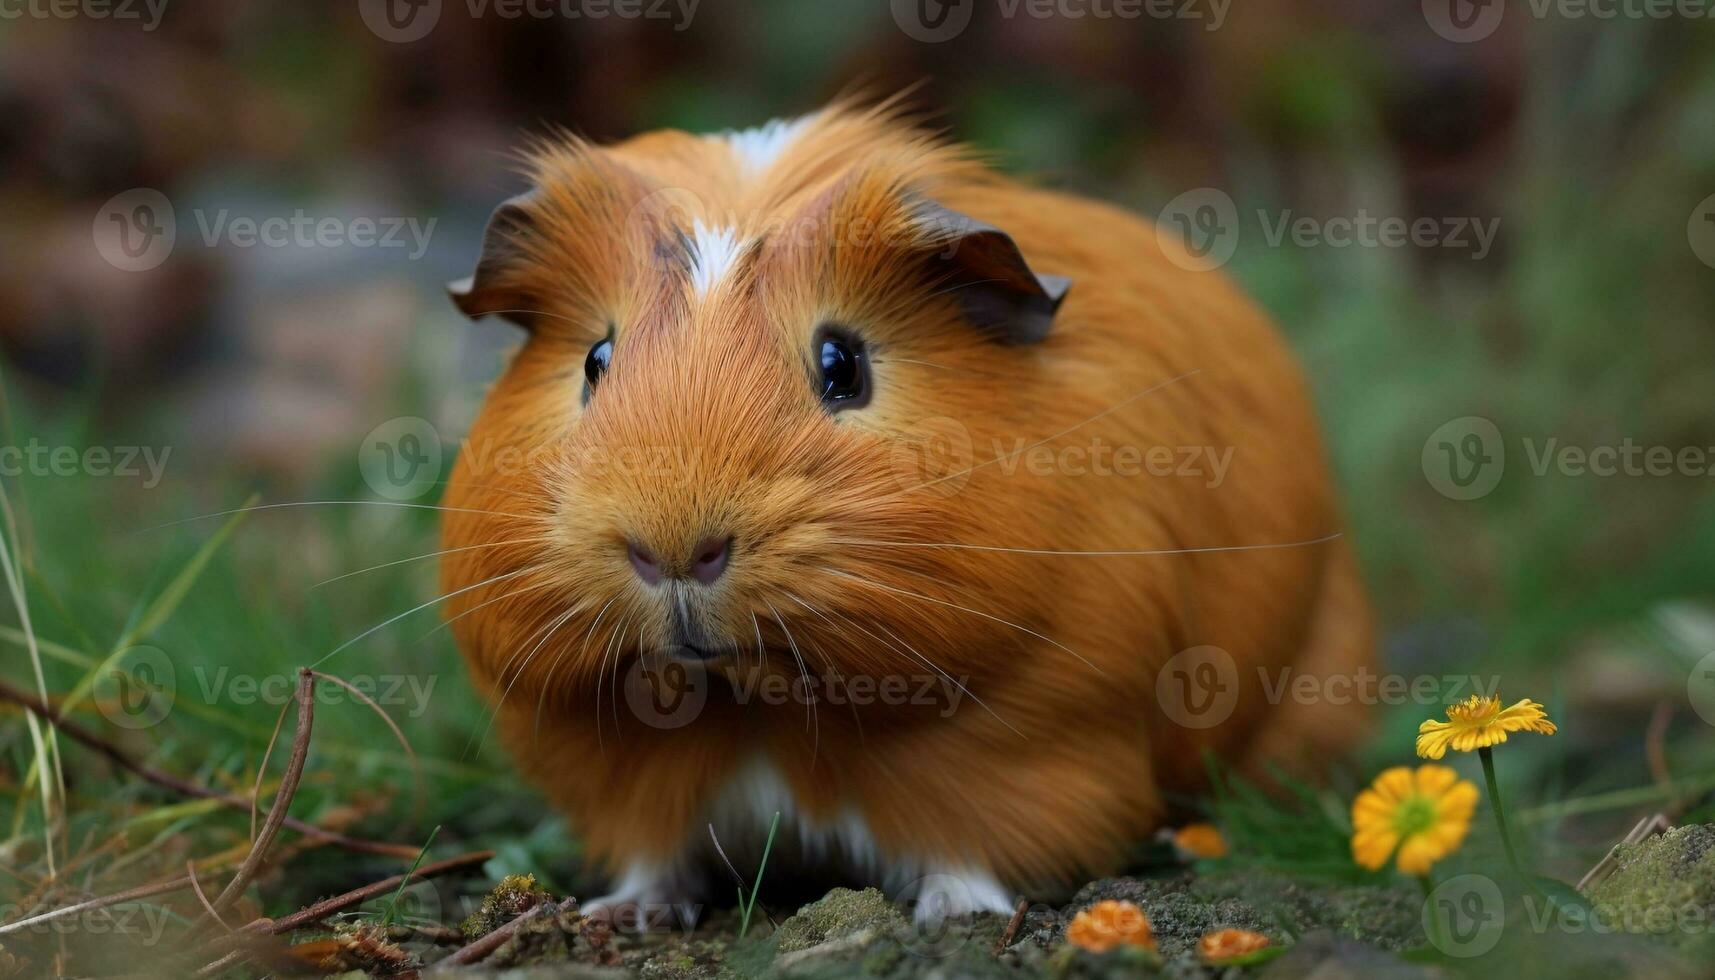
{"type": "Point", "coordinates": [496, 287]}
{"type": "Point", "coordinates": [982, 267]}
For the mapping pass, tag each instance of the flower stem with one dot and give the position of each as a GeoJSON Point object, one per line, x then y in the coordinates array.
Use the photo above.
{"type": "Point", "coordinates": [1432, 925]}
{"type": "Point", "coordinates": [1500, 812]}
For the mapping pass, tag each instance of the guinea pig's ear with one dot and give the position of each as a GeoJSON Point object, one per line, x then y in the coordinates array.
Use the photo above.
{"type": "Point", "coordinates": [982, 267]}
{"type": "Point", "coordinates": [495, 288]}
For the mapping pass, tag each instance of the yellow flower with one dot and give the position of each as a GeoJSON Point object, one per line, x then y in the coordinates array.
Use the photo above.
{"type": "Point", "coordinates": [1226, 945]}
{"type": "Point", "coordinates": [1200, 840]}
{"type": "Point", "coordinates": [1422, 815]}
{"type": "Point", "coordinates": [1477, 723]}
{"type": "Point", "coordinates": [1107, 924]}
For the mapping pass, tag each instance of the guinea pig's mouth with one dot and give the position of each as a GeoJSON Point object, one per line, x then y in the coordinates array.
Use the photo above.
{"type": "Point", "coordinates": [696, 653]}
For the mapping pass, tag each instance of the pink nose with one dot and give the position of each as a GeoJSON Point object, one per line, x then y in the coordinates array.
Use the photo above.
{"type": "Point", "coordinates": [708, 562]}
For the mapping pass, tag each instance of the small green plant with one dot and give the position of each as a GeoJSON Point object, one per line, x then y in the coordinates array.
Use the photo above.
{"type": "Point", "coordinates": [747, 905]}
{"type": "Point", "coordinates": [393, 903]}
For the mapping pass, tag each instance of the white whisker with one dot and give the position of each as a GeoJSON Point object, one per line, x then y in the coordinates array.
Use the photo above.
{"type": "Point", "coordinates": [395, 619]}
{"type": "Point", "coordinates": [432, 554]}
{"type": "Point", "coordinates": [333, 503]}
{"type": "Point", "coordinates": [1097, 554]}
{"type": "Point", "coordinates": [974, 612]}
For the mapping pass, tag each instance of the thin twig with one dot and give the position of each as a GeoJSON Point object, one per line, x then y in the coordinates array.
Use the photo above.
{"type": "Point", "coordinates": [313, 914]}
{"type": "Point", "coordinates": [282, 797]}
{"type": "Point", "coordinates": [1012, 927]}
{"type": "Point", "coordinates": [245, 936]}
{"type": "Point", "coordinates": [477, 951]}
{"type": "Point", "coordinates": [77, 733]}
{"type": "Point", "coordinates": [191, 872]}
{"type": "Point", "coordinates": [1655, 748]}
{"type": "Point", "coordinates": [262, 767]}
{"type": "Point", "coordinates": [1647, 827]}
{"type": "Point", "coordinates": [119, 898]}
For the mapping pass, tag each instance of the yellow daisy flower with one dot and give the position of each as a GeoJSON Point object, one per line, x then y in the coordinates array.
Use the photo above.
{"type": "Point", "coordinates": [1421, 815]}
{"type": "Point", "coordinates": [1477, 723]}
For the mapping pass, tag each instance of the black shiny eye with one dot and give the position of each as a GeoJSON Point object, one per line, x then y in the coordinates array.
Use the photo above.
{"type": "Point", "coordinates": [843, 371]}
{"type": "Point", "coordinates": [595, 365]}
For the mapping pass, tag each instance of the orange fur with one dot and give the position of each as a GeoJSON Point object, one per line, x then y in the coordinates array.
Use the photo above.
{"type": "Point", "coordinates": [839, 556]}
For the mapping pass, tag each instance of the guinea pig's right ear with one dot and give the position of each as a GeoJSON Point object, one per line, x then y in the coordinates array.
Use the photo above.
{"type": "Point", "coordinates": [984, 269]}
{"type": "Point", "coordinates": [497, 287]}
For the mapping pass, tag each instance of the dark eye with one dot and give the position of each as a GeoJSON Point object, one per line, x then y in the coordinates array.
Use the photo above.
{"type": "Point", "coordinates": [844, 371]}
{"type": "Point", "coordinates": [595, 365]}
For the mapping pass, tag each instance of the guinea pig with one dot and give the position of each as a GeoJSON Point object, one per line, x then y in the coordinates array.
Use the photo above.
{"type": "Point", "coordinates": [842, 478]}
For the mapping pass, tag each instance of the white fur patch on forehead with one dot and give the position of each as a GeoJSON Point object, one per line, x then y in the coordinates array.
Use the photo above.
{"type": "Point", "coordinates": [714, 251]}
{"type": "Point", "coordinates": [757, 148]}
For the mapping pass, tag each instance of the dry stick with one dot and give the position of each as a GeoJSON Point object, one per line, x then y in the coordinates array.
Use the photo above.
{"type": "Point", "coordinates": [282, 797]}
{"type": "Point", "coordinates": [339, 903]}
{"type": "Point", "coordinates": [89, 739]}
{"type": "Point", "coordinates": [1012, 927]}
{"type": "Point", "coordinates": [312, 914]}
{"type": "Point", "coordinates": [1647, 827]}
{"type": "Point", "coordinates": [262, 768]}
{"type": "Point", "coordinates": [480, 950]}
{"type": "Point", "coordinates": [191, 872]}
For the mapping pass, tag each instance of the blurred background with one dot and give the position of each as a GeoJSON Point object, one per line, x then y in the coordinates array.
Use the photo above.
{"type": "Point", "coordinates": [246, 368]}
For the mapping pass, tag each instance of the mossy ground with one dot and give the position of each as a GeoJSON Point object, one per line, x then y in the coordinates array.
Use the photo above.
{"type": "Point", "coordinates": [1323, 928]}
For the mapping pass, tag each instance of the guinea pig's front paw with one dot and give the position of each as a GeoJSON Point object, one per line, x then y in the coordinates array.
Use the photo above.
{"type": "Point", "coordinates": [954, 892]}
{"type": "Point", "coordinates": [646, 896]}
